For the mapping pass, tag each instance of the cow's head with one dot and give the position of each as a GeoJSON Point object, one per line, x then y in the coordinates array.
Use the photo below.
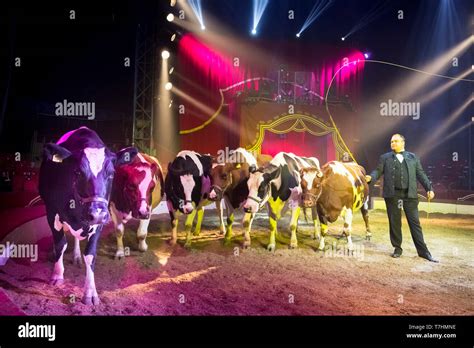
{"type": "Point", "coordinates": [92, 171]}
{"type": "Point", "coordinates": [311, 185]}
{"type": "Point", "coordinates": [136, 180]}
{"type": "Point", "coordinates": [221, 176]}
{"type": "Point", "coordinates": [259, 185]}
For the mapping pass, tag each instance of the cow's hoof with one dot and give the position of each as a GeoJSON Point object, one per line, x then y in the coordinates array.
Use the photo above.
{"type": "Point", "coordinates": [321, 247]}
{"type": "Point", "coordinates": [227, 241]}
{"type": "Point", "coordinates": [271, 248]}
{"type": "Point", "coordinates": [293, 245]}
{"type": "Point", "coordinates": [246, 244]}
{"type": "Point", "coordinates": [188, 244]}
{"type": "Point", "coordinates": [56, 282]}
{"type": "Point", "coordinates": [77, 261]}
{"type": "Point", "coordinates": [196, 233]}
{"type": "Point", "coordinates": [172, 242]}
{"type": "Point", "coordinates": [119, 255]}
{"type": "Point", "coordinates": [142, 246]}
{"type": "Point", "coordinates": [91, 300]}
{"type": "Point", "coordinates": [368, 238]}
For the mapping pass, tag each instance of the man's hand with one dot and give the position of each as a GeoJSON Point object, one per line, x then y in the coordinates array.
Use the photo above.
{"type": "Point", "coordinates": [368, 178]}
{"type": "Point", "coordinates": [430, 195]}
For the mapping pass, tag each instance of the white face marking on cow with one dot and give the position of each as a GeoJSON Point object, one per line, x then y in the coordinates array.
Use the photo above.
{"type": "Point", "coordinates": [96, 158]}
{"type": "Point", "coordinates": [309, 178]}
{"type": "Point", "coordinates": [188, 185]}
{"type": "Point", "coordinates": [253, 183]}
{"type": "Point", "coordinates": [194, 156]}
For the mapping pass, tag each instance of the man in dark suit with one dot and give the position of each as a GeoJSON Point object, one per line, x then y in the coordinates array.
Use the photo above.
{"type": "Point", "coordinates": [401, 170]}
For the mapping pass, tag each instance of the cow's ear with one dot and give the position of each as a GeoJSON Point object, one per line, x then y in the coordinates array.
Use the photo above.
{"type": "Point", "coordinates": [56, 153]}
{"type": "Point", "coordinates": [126, 155]}
{"type": "Point", "coordinates": [206, 161]}
{"type": "Point", "coordinates": [274, 174]}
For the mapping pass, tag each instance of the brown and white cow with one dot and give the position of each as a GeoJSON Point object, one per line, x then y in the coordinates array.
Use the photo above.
{"type": "Point", "coordinates": [137, 189]}
{"type": "Point", "coordinates": [229, 183]}
{"type": "Point", "coordinates": [337, 189]}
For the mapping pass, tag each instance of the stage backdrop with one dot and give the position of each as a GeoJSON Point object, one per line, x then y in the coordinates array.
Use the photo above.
{"type": "Point", "coordinates": [208, 78]}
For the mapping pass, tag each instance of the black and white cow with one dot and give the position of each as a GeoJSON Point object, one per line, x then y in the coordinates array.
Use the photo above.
{"type": "Point", "coordinates": [278, 184]}
{"type": "Point", "coordinates": [75, 183]}
{"type": "Point", "coordinates": [187, 186]}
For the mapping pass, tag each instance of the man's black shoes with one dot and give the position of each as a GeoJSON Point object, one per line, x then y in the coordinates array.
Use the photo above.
{"type": "Point", "coordinates": [429, 258]}
{"type": "Point", "coordinates": [397, 253]}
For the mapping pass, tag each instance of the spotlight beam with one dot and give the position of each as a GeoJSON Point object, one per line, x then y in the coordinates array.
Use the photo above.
{"type": "Point", "coordinates": [369, 17]}
{"type": "Point", "coordinates": [197, 9]}
{"type": "Point", "coordinates": [318, 8]}
{"type": "Point", "coordinates": [258, 9]}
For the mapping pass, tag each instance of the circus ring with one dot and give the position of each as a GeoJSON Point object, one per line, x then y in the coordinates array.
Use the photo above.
{"type": "Point", "coordinates": [215, 278]}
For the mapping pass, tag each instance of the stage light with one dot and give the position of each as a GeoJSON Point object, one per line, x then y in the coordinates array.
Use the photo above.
{"type": "Point", "coordinates": [366, 55]}
{"type": "Point", "coordinates": [170, 17]}
{"type": "Point", "coordinates": [197, 9]}
{"type": "Point", "coordinates": [258, 9]}
{"type": "Point", "coordinates": [298, 35]}
{"type": "Point", "coordinates": [374, 13]}
{"type": "Point", "coordinates": [343, 38]}
{"type": "Point", "coordinates": [171, 70]}
{"type": "Point", "coordinates": [168, 86]}
{"type": "Point", "coordinates": [319, 7]}
{"type": "Point", "coordinates": [165, 54]}
{"type": "Point", "coordinates": [173, 37]}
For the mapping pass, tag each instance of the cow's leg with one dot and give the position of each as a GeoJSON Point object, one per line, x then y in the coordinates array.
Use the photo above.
{"type": "Point", "coordinates": [348, 228]}
{"type": "Point", "coordinates": [188, 227]}
{"type": "Point", "coordinates": [174, 223]}
{"type": "Point", "coordinates": [200, 216]}
{"type": "Point", "coordinates": [119, 229]}
{"type": "Point", "coordinates": [324, 228]}
{"type": "Point", "coordinates": [274, 212]}
{"type": "Point", "coordinates": [60, 245]}
{"type": "Point", "coordinates": [77, 253]}
{"type": "Point", "coordinates": [247, 223]}
{"type": "Point", "coordinates": [90, 255]}
{"type": "Point", "coordinates": [295, 213]}
{"type": "Point", "coordinates": [142, 233]}
{"type": "Point", "coordinates": [365, 214]}
{"type": "Point", "coordinates": [230, 220]}
{"type": "Point", "coordinates": [314, 216]}
{"type": "Point", "coordinates": [220, 212]}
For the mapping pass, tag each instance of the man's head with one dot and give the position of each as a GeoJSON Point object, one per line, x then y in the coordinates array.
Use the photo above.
{"type": "Point", "coordinates": [397, 143]}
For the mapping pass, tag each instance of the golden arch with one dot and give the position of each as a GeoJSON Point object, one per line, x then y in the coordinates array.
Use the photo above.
{"type": "Point", "coordinates": [295, 123]}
